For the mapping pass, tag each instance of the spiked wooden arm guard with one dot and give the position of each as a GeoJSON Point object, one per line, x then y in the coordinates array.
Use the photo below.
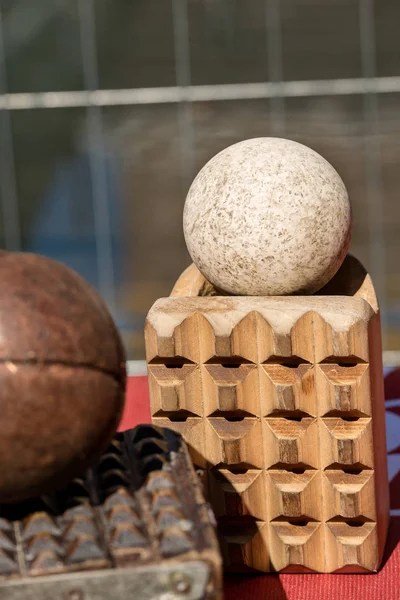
{"type": "Point", "coordinates": [135, 525]}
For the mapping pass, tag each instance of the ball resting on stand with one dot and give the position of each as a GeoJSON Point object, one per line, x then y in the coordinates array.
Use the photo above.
{"type": "Point", "coordinates": [267, 217]}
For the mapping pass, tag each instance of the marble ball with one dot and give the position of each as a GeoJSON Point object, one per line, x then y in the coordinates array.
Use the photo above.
{"type": "Point", "coordinates": [267, 217]}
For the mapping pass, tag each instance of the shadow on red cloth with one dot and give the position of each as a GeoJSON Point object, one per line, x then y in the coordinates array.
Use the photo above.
{"type": "Point", "coordinates": [392, 385]}
{"type": "Point", "coordinates": [256, 587]}
{"type": "Point", "coordinates": [393, 541]}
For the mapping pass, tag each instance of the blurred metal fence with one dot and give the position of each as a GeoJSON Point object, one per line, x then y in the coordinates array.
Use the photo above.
{"type": "Point", "coordinates": [184, 95]}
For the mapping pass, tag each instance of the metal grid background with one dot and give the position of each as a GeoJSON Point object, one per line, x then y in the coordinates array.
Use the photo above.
{"type": "Point", "coordinates": [184, 95]}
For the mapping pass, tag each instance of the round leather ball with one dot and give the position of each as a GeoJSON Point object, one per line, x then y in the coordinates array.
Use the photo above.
{"type": "Point", "coordinates": [62, 375]}
{"type": "Point", "coordinates": [266, 217]}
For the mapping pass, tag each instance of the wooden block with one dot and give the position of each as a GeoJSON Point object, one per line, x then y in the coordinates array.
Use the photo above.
{"type": "Point", "coordinates": [280, 400]}
{"type": "Point", "coordinates": [230, 389]}
{"type": "Point", "coordinates": [245, 545]}
{"type": "Point", "coordinates": [238, 494]}
{"type": "Point", "coordinates": [292, 494]}
{"type": "Point", "coordinates": [348, 493]}
{"type": "Point", "coordinates": [296, 547]}
{"type": "Point", "coordinates": [349, 544]}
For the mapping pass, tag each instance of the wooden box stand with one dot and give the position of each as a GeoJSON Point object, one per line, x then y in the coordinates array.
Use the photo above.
{"type": "Point", "coordinates": [281, 402]}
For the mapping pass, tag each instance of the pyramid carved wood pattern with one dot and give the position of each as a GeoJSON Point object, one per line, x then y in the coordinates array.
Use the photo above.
{"type": "Point", "coordinates": [281, 402]}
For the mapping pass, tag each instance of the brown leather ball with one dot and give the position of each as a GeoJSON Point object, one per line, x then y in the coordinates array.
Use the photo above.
{"type": "Point", "coordinates": [62, 375]}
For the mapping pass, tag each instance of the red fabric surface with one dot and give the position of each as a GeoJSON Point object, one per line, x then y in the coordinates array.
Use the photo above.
{"type": "Point", "coordinates": [137, 404]}
{"type": "Point", "coordinates": [384, 585]}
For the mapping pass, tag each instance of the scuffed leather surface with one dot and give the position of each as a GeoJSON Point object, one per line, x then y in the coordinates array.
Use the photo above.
{"type": "Point", "coordinates": [62, 375]}
{"type": "Point", "coordinates": [48, 313]}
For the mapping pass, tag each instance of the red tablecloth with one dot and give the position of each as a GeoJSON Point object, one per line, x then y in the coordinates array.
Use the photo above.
{"type": "Point", "coordinates": [384, 585]}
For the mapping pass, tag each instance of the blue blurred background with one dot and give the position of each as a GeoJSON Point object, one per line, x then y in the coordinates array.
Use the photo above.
{"type": "Point", "coordinates": [108, 108]}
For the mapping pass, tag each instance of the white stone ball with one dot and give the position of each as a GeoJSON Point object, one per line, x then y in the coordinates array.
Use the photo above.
{"type": "Point", "coordinates": [267, 217]}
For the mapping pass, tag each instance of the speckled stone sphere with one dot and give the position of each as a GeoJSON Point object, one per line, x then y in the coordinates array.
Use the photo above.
{"type": "Point", "coordinates": [62, 375]}
{"type": "Point", "coordinates": [266, 217]}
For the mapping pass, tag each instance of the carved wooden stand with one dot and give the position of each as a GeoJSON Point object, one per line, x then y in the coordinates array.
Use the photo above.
{"type": "Point", "coordinates": [281, 402]}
